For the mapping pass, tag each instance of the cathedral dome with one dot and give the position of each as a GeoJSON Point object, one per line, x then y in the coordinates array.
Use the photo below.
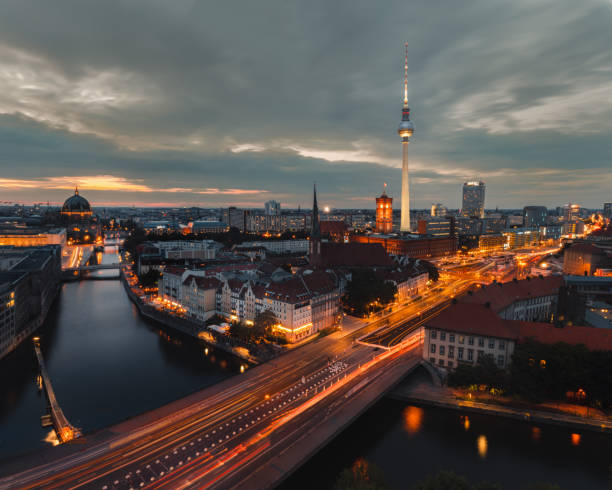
{"type": "Point", "coordinates": [76, 204]}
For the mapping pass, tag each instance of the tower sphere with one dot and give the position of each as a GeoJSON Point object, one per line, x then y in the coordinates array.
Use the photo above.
{"type": "Point", "coordinates": [405, 129]}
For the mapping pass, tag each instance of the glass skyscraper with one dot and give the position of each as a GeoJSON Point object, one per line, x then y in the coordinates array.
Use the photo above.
{"type": "Point", "coordinates": [473, 199]}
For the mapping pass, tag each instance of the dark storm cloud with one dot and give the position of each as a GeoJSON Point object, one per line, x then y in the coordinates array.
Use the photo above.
{"type": "Point", "coordinates": [160, 93]}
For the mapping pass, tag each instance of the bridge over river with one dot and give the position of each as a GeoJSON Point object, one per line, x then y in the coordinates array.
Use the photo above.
{"type": "Point", "coordinates": [249, 431]}
{"type": "Point", "coordinates": [63, 428]}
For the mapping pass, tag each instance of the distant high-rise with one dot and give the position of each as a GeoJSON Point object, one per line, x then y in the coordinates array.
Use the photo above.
{"type": "Point", "coordinates": [607, 210]}
{"type": "Point", "coordinates": [571, 212]}
{"type": "Point", "coordinates": [473, 199]}
{"type": "Point", "coordinates": [384, 212]}
{"type": "Point", "coordinates": [273, 208]}
{"type": "Point", "coordinates": [438, 210]}
{"type": "Point", "coordinates": [534, 216]}
{"type": "Point", "coordinates": [405, 130]}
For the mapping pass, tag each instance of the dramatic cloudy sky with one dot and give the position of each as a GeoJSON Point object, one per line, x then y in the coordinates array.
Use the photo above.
{"type": "Point", "coordinates": [213, 103]}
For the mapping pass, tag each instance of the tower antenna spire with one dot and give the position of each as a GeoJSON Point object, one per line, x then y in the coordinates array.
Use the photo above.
{"type": "Point", "coordinates": [406, 76]}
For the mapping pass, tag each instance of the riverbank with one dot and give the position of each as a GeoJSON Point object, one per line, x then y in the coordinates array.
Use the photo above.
{"type": "Point", "coordinates": [423, 393]}
{"type": "Point", "coordinates": [196, 330]}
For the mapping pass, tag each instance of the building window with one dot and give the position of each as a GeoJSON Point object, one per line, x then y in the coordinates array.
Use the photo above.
{"type": "Point", "coordinates": [470, 354]}
{"type": "Point", "coordinates": [461, 339]}
{"type": "Point", "coordinates": [451, 337]}
{"type": "Point", "coordinates": [442, 335]}
{"type": "Point", "coordinates": [432, 360]}
{"type": "Point", "coordinates": [471, 340]}
{"type": "Point", "coordinates": [441, 362]}
{"type": "Point", "coordinates": [441, 350]}
{"type": "Point", "coordinates": [502, 344]}
{"type": "Point", "coordinates": [460, 353]}
{"type": "Point", "coordinates": [450, 364]}
{"type": "Point", "coordinates": [480, 341]}
{"type": "Point", "coordinates": [491, 343]}
{"type": "Point", "coordinates": [480, 354]}
{"type": "Point", "coordinates": [433, 348]}
{"type": "Point", "coordinates": [500, 361]}
{"type": "Point", "coordinates": [451, 351]}
{"type": "Point", "coordinates": [433, 334]}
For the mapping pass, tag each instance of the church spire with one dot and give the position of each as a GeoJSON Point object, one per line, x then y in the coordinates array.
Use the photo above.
{"type": "Point", "coordinates": [316, 227]}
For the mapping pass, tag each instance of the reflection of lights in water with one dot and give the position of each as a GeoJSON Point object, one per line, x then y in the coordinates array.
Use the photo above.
{"type": "Point", "coordinates": [575, 439]}
{"type": "Point", "coordinates": [482, 445]}
{"type": "Point", "coordinates": [413, 419]}
{"type": "Point", "coordinates": [466, 422]}
{"type": "Point", "coordinates": [51, 438]}
{"type": "Point", "coordinates": [536, 433]}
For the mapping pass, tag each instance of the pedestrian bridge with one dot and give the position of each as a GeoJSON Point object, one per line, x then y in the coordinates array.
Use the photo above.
{"type": "Point", "coordinates": [94, 267]}
{"type": "Point", "coordinates": [65, 430]}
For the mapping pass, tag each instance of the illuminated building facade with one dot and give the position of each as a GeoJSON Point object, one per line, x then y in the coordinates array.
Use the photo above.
{"type": "Point", "coordinates": [32, 237]}
{"type": "Point", "coordinates": [492, 242]}
{"type": "Point", "coordinates": [441, 227]}
{"type": "Point", "coordinates": [418, 248]}
{"type": "Point", "coordinates": [522, 237]}
{"type": "Point", "coordinates": [473, 199]}
{"type": "Point", "coordinates": [571, 212]}
{"type": "Point", "coordinates": [438, 210]}
{"type": "Point", "coordinates": [384, 213]}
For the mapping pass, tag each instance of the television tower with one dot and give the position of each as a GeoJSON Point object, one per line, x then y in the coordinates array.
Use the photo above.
{"type": "Point", "coordinates": [405, 130]}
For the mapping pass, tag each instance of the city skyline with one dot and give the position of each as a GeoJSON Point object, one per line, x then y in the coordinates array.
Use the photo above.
{"type": "Point", "coordinates": [198, 119]}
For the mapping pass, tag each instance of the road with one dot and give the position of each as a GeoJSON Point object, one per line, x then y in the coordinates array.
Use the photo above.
{"type": "Point", "coordinates": [235, 422]}
{"type": "Point", "coordinates": [208, 440]}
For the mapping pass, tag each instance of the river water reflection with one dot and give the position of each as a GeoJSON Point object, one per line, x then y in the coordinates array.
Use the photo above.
{"type": "Point", "coordinates": [409, 443]}
{"type": "Point", "coordinates": [106, 363]}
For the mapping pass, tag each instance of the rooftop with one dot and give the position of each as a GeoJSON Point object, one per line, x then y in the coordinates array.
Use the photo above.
{"type": "Point", "coordinates": [502, 295]}
{"type": "Point", "coordinates": [472, 319]}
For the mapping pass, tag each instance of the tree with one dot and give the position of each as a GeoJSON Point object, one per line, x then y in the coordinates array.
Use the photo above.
{"type": "Point", "coordinates": [240, 331]}
{"type": "Point", "coordinates": [149, 279]}
{"type": "Point", "coordinates": [363, 475]}
{"type": "Point", "coordinates": [444, 480]}
{"type": "Point", "coordinates": [485, 372]}
{"type": "Point", "coordinates": [368, 292]}
{"type": "Point", "coordinates": [264, 323]}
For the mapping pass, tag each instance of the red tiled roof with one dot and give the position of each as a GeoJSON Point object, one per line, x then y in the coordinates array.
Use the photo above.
{"type": "Point", "coordinates": [319, 282]}
{"type": "Point", "coordinates": [502, 295]}
{"type": "Point", "coordinates": [333, 227]}
{"type": "Point", "coordinates": [472, 319]}
{"type": "Point", "coordinates": [203, 282]}
{"type": "Point", "coordinates": [593, 338]}
{"type": "Point", "coordinates": [477, 319]}
{"type": "Point", "coordinates": [291, 290]}
{"type": "Point", "coordinates": [354, 254]}
{"type": "Point", "coordinates": [177, 271]}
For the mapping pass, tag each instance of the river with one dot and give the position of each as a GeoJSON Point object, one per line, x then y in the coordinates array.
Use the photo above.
{"type": "Point", "coordinates": [107, 363]}
{"type": "Point", "coordinates": [408, 443]}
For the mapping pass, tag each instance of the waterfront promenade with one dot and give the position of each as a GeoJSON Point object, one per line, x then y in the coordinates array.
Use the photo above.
{"type": "Point", "coordinates": [422, 393]}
